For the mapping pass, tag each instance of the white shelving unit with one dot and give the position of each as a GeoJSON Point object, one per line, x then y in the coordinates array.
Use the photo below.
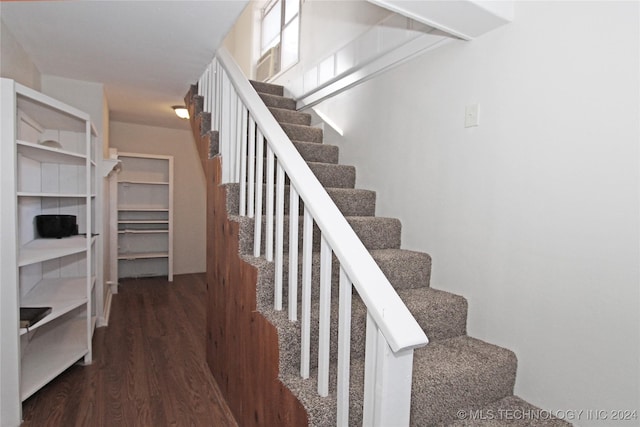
{"type": "Point", "coordinates": [42, 272]}
{"type": "Point", "coordinates": [145, 215]}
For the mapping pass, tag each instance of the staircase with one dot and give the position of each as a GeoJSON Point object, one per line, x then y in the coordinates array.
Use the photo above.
{"type": "Point", "coordinates": [457, 380]}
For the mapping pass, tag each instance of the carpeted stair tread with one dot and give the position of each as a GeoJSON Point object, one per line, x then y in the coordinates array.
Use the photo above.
{"type": "Point", "coordinates": [415, 276]}
{"type": "Point", "coordinates": [276, 101]}
{"type": "Point", "coordinates": [508, 411]}
{"type": "Point", "coordinates": [350, 201]}
{"type": "Point", "coordinates": [319, 153]}
{"type": "Point", "coordinates": [441, 314]}
{"type": "Point", "coordinates": [334, 176]}
{"type": "Point", "coordinates": [283, 115]}
{"type": "Point", "coordinates": [329, 174]}
{"type": "Point", "coordinates": [447, 375]}
{"type": "Point", "coordinates": [374, 232]}
{"type": "Point", "coordinates": [458, 372]}
{"type": "Point", "coordinates": [302, 133]}
{"type": "Point", "coordinates": [353, 201]}
{"type": "Point", "coordinates": [409, 269]}
{"type": "Point", "coordinates": [269, 88]}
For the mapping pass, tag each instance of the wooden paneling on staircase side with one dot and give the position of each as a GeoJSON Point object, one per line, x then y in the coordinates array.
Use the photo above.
{"type": "Point", "coordinates": [242, 345]}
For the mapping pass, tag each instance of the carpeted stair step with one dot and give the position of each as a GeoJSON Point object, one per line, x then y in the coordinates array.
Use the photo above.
{"type": "Point", "coordinates": [374, 232]}
{"type": "Point", "coordinates": [319, 153]}
{"type": "Point", "coordinates": [448, 375]}
{"type": "Point", "coordinates": [314, 152]}
{"type": "Point", "coordinates": [415, 274]}
{"type": "Point", "coordinates": [442, 315]}
{"type": "Point", "coordinates": [288, 116]}
{"type": "Point", "coordinates": [329, 174]}
{"type": "Point", "coordinates": [405, 269]}
{"type": "Point", "coordinates": [350, 201]}
{"type": "Point", "coordinates": [269, 88]}
{"type": "Point", "coordinates": [275, 101]}
{"type": "Point", "coordinates": [302, 133]}
{"type": "Point", "coordinates": [458, 372]}
{"type": "Point", "coordinates": [334, 176]}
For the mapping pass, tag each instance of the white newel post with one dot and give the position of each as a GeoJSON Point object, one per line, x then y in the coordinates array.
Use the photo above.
{"type": "Point", "coordinates": [387, 381]}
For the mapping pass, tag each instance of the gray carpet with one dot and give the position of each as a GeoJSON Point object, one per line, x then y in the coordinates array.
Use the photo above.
{"type": "Point", "coordinates": [457, 380]}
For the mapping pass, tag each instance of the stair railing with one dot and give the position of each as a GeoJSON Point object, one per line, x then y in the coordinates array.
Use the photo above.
{"type": "Point", "coordinates": [243, 121]}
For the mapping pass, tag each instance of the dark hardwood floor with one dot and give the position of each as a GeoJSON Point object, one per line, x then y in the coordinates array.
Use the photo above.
{"type": "Point", "coordinates": [149, 366]}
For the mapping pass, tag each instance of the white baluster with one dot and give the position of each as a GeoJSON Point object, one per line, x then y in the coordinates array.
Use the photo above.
{"type": "Point", "coordinates": [269, 206]}
{"type": "Point", "coordinates": [307, 259]}
{"type": "Point", "coordinates": [257, 234]}
{"type": "Point", "coordinates": [344, 348]}
{"type": "Point", "coordinates": [239, 139]}
{"type": "Point", "coordinates": [252, 167]}
{"type": "Point", "coordinates": [279, 250]}
{"type": "Point", "coordinates": [225, 134]}
{"type": "Point", "coordinates": [371, 345]}
{"type": "Point", "coordinates": [242, 208]}
{"type": "Point", "coordinates": [294, 207]}
{"type": "Point", "coordinates": [325, 318]}
{"type": "Point", "coordinates": [211, 75]}
{"type": "Point", "coordinates": [232, 160]}
{"type": "Point", "coordinates": [217, 99]}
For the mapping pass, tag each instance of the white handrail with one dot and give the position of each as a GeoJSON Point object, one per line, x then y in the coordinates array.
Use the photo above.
{"type": "Point", "coordinates": [396, 328]}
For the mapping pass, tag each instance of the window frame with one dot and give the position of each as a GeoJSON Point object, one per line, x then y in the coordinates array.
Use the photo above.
{"type": "Point", "coordinates": [284, 25]}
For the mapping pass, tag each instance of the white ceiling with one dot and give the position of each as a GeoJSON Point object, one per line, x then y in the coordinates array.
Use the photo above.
{"type": "Point", "coordinates": [146, 53]}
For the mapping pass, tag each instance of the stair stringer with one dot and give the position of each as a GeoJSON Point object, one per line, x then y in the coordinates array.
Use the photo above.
{"type": "Point", "coordinates": [242, 345]}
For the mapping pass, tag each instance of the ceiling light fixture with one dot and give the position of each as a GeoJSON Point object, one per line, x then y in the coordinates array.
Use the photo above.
{"type": "Point", "coordinates": [181, 111]}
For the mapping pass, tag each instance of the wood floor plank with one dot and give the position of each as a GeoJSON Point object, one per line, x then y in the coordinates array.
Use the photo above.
{"type": "Point", "coordinates": [149, 365]}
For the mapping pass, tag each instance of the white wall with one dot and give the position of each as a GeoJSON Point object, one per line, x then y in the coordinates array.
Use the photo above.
{"type": "Point", "coordinates": [189, 192]}
{"type": "Point", "coordinates": [243, 40]}
{"type": "Point", "coordinates": [534, 215]}
{"type": "Point", "coordinates": [15, 63]}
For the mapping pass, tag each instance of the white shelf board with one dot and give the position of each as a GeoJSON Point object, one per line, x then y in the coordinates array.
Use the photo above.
{"type": "Point", "coordinates": [144, 182]}
{"type": "Point", "coordinates": [39, 250]}
{"type": "Point", "coordinates": [129, 231]}
{"type": "Point", "coordinates": [61, 195]}
{"type": "Point", "coordinates": [50, 351]}
{"type": "Point", "coordinates": [142, 255]}
{"type": "Point", "coordinates": [44, 154]}
{"type": "Point", "coordinates": [142, 221]}
{"type": "Point", "coordinates": [142, 209]}
{"type": "Point", "coordinates": [62, 295]}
